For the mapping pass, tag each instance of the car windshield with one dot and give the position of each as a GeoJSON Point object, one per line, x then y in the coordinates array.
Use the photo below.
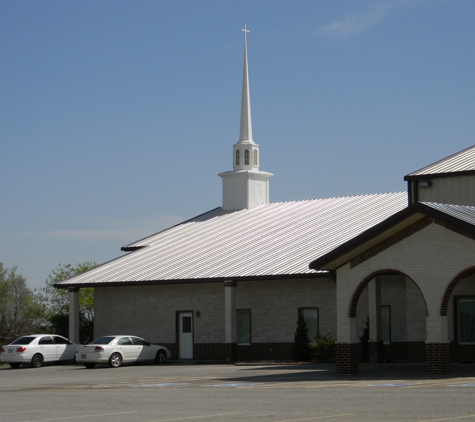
{"type": "Point", "coordinates": [102, 340]}
{"type": "Point", "coordinates": [24, 340]}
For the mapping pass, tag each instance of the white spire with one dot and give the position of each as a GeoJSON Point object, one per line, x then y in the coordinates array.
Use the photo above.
{"type": "Point", "coordinates": [245, 186]}
{"type": "Point", "coordinates": [245, 134]}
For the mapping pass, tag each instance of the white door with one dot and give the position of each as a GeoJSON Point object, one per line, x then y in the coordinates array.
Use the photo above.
{"type": "Point", "coordinates": [185, 338]}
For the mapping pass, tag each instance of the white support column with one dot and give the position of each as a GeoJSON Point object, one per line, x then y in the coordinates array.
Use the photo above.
{"type": "Point", "coordinates": [230, 311]}
{"type": "Point", "coordinates": [374, 312]}
{"type": "Point", "coordinates": [374, 306]}
{"type": "Point", "coordinates": [74, 314]}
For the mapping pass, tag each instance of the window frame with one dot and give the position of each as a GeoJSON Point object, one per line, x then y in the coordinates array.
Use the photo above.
{"type": "Point", "coordinates": [247, 157]}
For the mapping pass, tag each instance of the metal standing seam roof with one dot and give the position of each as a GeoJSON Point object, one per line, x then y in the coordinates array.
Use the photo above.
{"type": "Point", "coordinates": [267, 240]}
{"type": "Point", "coordinates": [464, 213]}
{"type": "Point", "coordinates": [461, 161]}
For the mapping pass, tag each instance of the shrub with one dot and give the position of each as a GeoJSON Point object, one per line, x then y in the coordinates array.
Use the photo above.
{"type": "Point", "coordinates": [324, 348]}
{"type": "Point", "coordinates": [301, 349]}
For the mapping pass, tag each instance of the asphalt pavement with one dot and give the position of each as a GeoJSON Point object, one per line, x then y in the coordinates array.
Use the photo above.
{"type": "Point", "coordinates": [228, 392]}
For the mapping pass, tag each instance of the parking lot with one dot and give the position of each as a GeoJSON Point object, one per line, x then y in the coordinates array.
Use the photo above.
{"type": "Point", "coordinates": [198, 392]}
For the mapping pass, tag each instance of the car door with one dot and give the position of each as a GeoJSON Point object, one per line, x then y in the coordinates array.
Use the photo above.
{"type": "Point", "coordinates": [47, 348]}
{"type": "Point", "coordinates": [64, 348]}
{"type": "Point", "coordinates": [127, 349]}
{"type": "Point", "coordinates": [145, 351]}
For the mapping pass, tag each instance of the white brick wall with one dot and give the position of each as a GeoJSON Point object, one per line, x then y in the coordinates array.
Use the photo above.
{"type": "Point", "coordinates": [431, 257]}
{"type": "Point", "coordinates": [150, 311]}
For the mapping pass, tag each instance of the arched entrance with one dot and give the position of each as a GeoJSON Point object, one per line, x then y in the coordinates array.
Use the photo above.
{"type": "Point", "coordinates": [387, 312]}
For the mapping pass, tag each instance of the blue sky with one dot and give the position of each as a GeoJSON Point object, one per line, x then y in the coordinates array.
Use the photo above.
{"type": "Point", "coordinates": [117, 116]}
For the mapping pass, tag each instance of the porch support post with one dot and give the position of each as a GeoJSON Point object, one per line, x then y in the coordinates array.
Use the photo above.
{"type": "Point", "coordinates": [348, 351]}
{"type": "Point", "coordinates": [230, 327]}
{"type": "Point", "coordinates": [437, 345]}
{"type": "Point", "coordinates": [376, 347]}
{"type": "Point", "coordinates": [74, 314]}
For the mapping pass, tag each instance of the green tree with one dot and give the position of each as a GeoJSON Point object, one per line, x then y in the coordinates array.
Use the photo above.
{"type": "Point", "coordinates": [20, 312]}
{"type": "Point", "coordinates": [301, 350]}
{"type": "Point", "coordinates": [56, 302]}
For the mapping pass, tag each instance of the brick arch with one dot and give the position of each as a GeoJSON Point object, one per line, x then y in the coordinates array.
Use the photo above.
{"type": "Point", "coordinates": [359, 289]}
{"type": "Point", "coordinates": [450, 288]}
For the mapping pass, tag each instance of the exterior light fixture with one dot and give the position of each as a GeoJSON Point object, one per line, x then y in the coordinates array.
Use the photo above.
{"type": "Point", "coordinates": [424, 183]}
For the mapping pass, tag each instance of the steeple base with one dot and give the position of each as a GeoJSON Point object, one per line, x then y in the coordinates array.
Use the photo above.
{"type": "Point", "coordinates": [245, 189]}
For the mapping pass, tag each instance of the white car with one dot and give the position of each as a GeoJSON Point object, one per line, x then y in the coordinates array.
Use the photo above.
{"type": "Point", "coordinates": [116, 350]}
{"type": "Point", "coordinates": [36, 349]}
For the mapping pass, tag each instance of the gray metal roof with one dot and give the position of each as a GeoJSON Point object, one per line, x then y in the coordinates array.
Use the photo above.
{"type": "Point", "coordinates": [460, 162]}
{"type": "Point", "coordinates": [267, 240]}
{"type": "Point", "coordinates": [462, 212]}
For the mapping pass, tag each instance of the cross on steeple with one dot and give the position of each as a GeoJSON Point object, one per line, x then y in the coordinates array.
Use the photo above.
{"type": "Point", "coordinates": [245, 30]}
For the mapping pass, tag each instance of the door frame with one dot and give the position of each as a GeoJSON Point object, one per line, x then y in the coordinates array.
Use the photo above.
{"type": "Point", "coordinates": [178, 315]}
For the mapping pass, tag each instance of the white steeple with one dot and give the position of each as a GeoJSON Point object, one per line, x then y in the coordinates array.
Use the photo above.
{"type": "Point", "coordinates": [245, 186]}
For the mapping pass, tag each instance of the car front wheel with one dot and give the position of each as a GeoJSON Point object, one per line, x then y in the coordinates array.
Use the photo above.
{"type": "Point", "coordinates": [115, 360]}
{"type": "Point", "coordinates": [37, 361]}
{"type": "Point", "coordinates": [161, 357]}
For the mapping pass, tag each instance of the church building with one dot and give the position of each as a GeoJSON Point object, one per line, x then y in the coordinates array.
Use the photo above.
{"type": "Point", "coordinates": [229, 284]}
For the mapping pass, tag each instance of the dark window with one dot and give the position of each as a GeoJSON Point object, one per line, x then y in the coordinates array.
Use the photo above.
{"type": "Point", "coordinates": [466, 320]}
{"type": "Point", "coordinates": [45, 340]}
{"type": "Point", "coordinates": [102, 340]}
{"type": "Point", "coordinates": [140, 342]}
{"type": "Point", "coordinates": [244, 326]}
{"type": "Point", "coordinates": [24, 340]}
{"type": "Point", "coordinates": [60, 340]}
{"type": "Point", "coordinates": [246, 157]}
{"type": "Point", "coordinates": [310, 315]}
{"type": "Point", "coordinates": [124, 341]}
{"type": "Point", "coordinates": [386, 324]}
{"type": "Point", "coordinates": [186, 325]}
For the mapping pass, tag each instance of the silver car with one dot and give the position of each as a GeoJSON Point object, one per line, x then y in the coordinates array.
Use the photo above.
{"type": "Point", "coordinates": [118, 350]}
{"type": "Point", "coordinates": [36, 349]}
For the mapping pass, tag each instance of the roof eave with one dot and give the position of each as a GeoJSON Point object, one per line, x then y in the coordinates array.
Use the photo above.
{"type": "Point", "coordinates": [438, 175]}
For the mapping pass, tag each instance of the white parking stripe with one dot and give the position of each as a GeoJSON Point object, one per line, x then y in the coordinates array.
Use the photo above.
{"type": "Point", "coordinates": [79, 417]}
{"type": "Point", "coordinates": [318, 417]}
{"type": "Point", "coordinates": [448, 419]}
{"type": "Point", "coordinates": [194, 417]}
{"type": "Point", "coordinates": [21, 413]}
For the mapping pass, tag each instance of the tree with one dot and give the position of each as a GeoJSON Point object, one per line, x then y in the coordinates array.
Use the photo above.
{"type": "Point", "coordinates": [301, 350]}
{"type": "Point", "coordinates": [20, 312]}
{"type": "Point", "coordinates": [56, 302]}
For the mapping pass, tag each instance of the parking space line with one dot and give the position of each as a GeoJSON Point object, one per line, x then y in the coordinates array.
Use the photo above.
{"type": "Point", "coordinates": [81, 417]}
{"type": "Point", "coordinates": [194, 417]}
{"type": "Point", "coordinates": [318, 417]}
{"type": "Point", "coordinates": [448, 419]}
{"type": "Point", "coordinates": [21, 413]}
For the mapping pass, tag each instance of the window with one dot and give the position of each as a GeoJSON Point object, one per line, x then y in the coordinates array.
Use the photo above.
{"type": "Point", "coordinates": [60, 340]}
{"type": "Point", "coordinates": [45, 340]}
{"type": "Point", "coordinates": [386, 324]}
{"type": "Point", "coordinates": [237, 157]}
{"type": "Point", "coordinates": [124, 341]}
{"type": "Point", "coordinates": [244, 326]}
{"type": "Point", "coordinates": [256, 158]}
{"type": "Point", "coordinates": [246, 157]}
{"type": "Point", "coordinates": [310, 316]}
{"type": "Point", "coordinates": [466, 320]}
